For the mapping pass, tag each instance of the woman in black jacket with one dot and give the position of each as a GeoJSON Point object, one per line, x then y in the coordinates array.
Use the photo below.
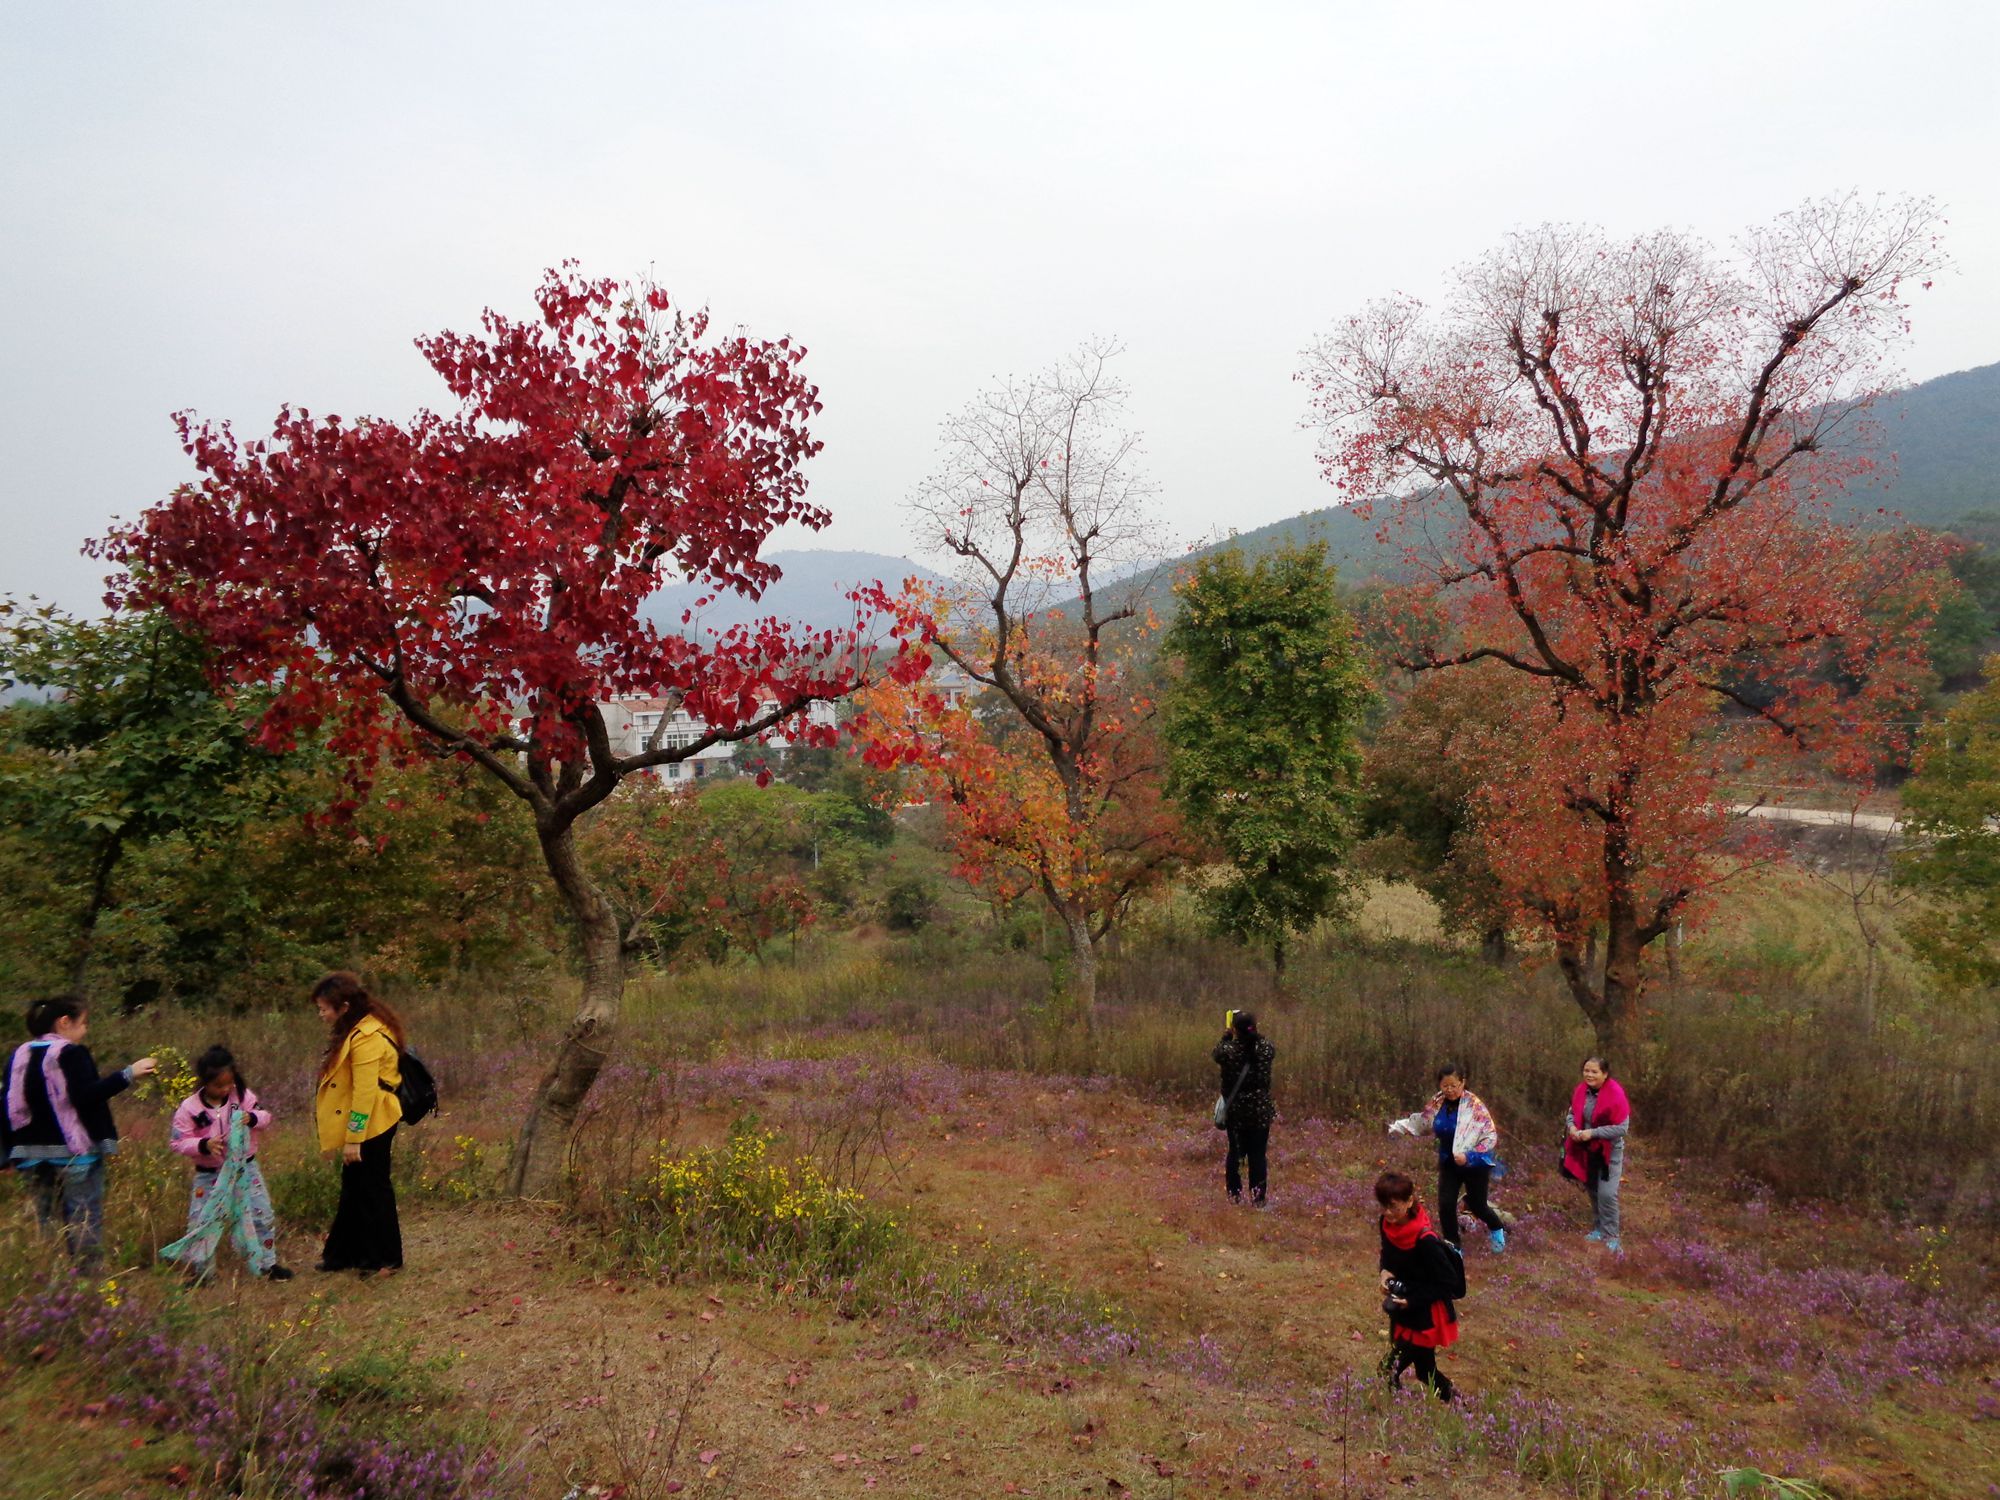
{"type": "Point", "coordinates": [1421, 1274]}
{"type": "Point", "coordinates": [1245, 1059]}
{"type": "Point", "coordinates": [56, 1125]}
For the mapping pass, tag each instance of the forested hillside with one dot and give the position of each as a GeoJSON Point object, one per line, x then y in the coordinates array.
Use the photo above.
{"type": "Point", "coordinates": [1938, 448]}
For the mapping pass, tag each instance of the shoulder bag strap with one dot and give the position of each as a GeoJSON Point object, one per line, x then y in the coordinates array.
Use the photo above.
{"type": "Point", "coordinates": [1236, 1087]}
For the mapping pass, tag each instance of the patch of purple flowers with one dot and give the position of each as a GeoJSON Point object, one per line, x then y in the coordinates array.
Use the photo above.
{"type": "Point", "coordinates": [244, 1418]}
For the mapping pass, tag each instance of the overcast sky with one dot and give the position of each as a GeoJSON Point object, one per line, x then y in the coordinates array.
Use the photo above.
{"type": "Point", "coordinates": [226, 207]}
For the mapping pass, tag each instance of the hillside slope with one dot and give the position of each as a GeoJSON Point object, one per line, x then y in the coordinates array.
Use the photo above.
{"type": "Point", "coordinates": [1938, 452]}
{"type": "Point", "coordinates": [812, 592]}
{"type": "Point", "coordinates": [1939, 455]}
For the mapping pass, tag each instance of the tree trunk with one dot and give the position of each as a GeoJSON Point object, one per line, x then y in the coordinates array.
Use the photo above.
{"type": "Point", "coordinates": [1870, 980]}
{"type": "Point", "coordinates": [541, 1154]}
{"type": "Point", "coordinates": [1612, 1002]}
{"type": "Point", "coordinates": [1574, 959]}
{"type": "Point", "coordinates": [1278, 962]}
{"type": "Point", "coordinates": [1622, 948]}
{"type": "Point", "coordinates": [1493, 944]}
{"type": "Point", "coordinates": [93, 908]}
{"type": "Point", "coordinates": [1082, 961]}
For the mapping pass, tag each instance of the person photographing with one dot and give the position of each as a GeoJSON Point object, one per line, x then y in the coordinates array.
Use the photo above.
{"type": "Point", "coordinates": [1245, 1109]}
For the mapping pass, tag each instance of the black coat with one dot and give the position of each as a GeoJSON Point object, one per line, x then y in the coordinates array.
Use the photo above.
{"type": "Point", "coordinates": [1252, 1105]}
{"type": "Point", "coordinates": [1429, 1271]}
{"type": "Point", "coordinates": [89, 1091]}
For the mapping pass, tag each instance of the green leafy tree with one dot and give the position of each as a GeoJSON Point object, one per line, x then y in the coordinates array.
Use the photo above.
{"type": "Point", "coordinates": [116, 740]}
{"type": "Point", "coordinates": [1260, 730]}
{"type": "Point", "coordinates": [1419, 811]}
{"type": "Point", "coordinates": [697, 875]}
{"type": "Point", "coordinates": [425, 881]}
{"type": "Point", "coordinates": [1952, 821]}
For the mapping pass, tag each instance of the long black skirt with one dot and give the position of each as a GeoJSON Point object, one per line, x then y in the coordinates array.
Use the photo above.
{"type": "Point", "coordinates": [366, 1235]}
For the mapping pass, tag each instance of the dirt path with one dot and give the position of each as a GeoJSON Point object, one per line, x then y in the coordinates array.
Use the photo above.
{"type": "Point", "coordinates": [1820, 817]}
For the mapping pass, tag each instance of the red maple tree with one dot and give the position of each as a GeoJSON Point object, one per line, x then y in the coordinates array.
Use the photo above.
{"type": "Point", "coordinates": [1614, 460]}
{"type": "Point", "coordinates": [481, 575]}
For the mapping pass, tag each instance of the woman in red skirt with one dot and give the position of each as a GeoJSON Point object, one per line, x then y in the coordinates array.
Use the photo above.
{"type": "Point", "coordinates": [1421, 1273]}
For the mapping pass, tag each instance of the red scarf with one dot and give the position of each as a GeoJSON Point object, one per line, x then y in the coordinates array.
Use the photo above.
{"type": "Point", "coordinates": [1404, 1236]}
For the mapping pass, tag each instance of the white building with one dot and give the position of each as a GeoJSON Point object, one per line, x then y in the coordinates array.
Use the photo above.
{"type": "Point", "coordinates": [634, 721]}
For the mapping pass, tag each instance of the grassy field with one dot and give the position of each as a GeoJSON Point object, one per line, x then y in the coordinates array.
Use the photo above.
{"type": "Point", "coordinates": [1041, 1288]}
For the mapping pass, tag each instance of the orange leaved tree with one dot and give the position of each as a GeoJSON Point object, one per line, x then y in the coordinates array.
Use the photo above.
{"type": "Point", "coordinates": [1047, 761]}
{"type": "Point", "coordinates": [1614, 458]}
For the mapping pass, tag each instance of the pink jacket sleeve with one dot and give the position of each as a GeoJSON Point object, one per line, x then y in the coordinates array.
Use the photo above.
{"type": "Point", "coordinates": [185, 1136]}
{"type": "Point", "coordinates": [260, 1119]}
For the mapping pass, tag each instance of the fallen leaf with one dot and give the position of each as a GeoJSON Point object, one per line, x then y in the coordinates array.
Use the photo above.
{"type": "Point", "coordinates": [709, 1455]}
{"type": "Point", "coordinates": [916, 1450]}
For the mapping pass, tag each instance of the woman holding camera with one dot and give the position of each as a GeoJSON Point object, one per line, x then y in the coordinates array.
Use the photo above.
{"type": "Point", "coordinates": [1421, 1273]}
{"type": "Point", "coordinates": [1245, 1059]}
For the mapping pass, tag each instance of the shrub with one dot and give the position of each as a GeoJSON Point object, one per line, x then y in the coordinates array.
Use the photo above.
{"type": "Point", "coordinates": [734, 1210]}
{"type": "Point", "coordinates": [910, 903]}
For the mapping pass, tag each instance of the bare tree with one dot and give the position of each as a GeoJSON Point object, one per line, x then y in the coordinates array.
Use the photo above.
{"type": "Point", "coordinates": [1039, 496]}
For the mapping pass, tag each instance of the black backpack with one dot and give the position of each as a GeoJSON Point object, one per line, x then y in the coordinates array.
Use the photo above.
{"type": "Point", "coordinates": [1455, 1260]}
{"type": "Point", "coordinates": [417, 1093]}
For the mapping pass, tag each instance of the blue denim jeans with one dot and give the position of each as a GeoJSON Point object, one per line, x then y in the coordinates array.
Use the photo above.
{"type": "Point", "coordinates": [72, 1197]}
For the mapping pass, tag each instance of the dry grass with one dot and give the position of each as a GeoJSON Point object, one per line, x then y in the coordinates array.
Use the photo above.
{"type": "Point", "coordinates": [1250, 1323]}
{"type": "Point", "coordinates": [1256, 1332]}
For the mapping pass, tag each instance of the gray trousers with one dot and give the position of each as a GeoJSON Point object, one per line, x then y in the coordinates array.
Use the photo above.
{"type": "Point", "coordinates": [72, 1199]}
{"type": "Point", "coordinates": [1604, 1192]}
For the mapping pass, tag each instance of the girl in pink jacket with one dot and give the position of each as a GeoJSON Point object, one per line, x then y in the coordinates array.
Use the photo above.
{"type": "Point", "coordinates": [219, 1128]}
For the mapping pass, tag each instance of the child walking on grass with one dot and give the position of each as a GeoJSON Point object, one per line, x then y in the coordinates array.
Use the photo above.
{"type": "Point", "coordinates": [56, 1125]}
{"type": "Point", "coordinates": [1421, 1273]}
{"type": "Point", "coordinates": [219, 1127]}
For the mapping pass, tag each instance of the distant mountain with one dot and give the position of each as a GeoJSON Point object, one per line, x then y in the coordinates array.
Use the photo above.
{"type": "Point", "coordinates": [812, 592]}
{"type": "Point", "coordinates": [1938, 455]}
{"type": "Point", "coordinates": [1940, 461]}
{"type": "Point", "coordinates": [1939, 449]}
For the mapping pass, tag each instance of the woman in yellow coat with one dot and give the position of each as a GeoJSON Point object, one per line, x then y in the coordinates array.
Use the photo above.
{"type": "Point", "coordinates": [358, 1110]}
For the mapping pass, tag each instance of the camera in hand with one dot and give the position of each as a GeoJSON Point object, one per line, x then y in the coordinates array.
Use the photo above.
{"type": "Point", "coordinates": [1397, 1294]}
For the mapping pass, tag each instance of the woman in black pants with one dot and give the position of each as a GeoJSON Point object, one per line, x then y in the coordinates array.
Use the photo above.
{"type": "Point", "coordinates": [1466, 1136]}
{"type": "Point", "coordinates": [1245, 1059]}
{"type": "Point", "coordinates": [358, 1111]}
{"type": "Point", "coordinates": [1420, 1277]}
